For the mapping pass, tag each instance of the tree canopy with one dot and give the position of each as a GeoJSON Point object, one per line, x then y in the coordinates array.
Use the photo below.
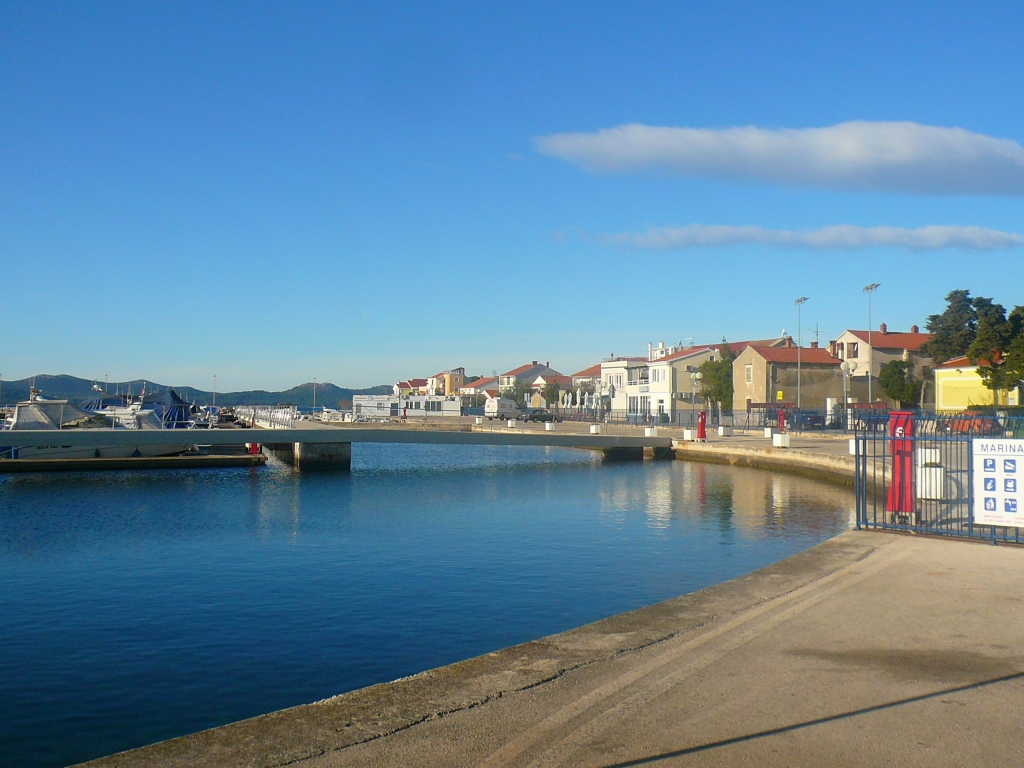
{"type": "Point", "coordinates": [998, 347]}
{"type": "Point", "coordinates": [954, 330]}
{"type": "Point", "coordinates": [716, 385]}
{"type": "Point", "coordinates": [897, 381]}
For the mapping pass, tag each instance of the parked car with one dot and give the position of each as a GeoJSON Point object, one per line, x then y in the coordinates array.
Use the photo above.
{"type": "Point", "coordinates": [806, 420]}
{"type": "Point", "coordinates": [540, 414]}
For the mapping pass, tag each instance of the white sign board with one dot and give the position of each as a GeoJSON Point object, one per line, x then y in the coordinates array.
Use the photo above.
{"type": "Point", "coordinates": [998, 482]}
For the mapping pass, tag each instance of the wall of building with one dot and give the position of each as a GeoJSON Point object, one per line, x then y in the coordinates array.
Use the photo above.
{"type": "Point", "coordinates": [959, 389]}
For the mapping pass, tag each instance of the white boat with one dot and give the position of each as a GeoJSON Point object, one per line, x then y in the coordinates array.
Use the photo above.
{"type": "Point", "coordinates": [57, 416]}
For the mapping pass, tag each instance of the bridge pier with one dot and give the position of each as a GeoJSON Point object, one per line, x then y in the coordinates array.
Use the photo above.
{"type": "Point", "coordinates": [660, 454]}
{"type": "Point", "coordinates": [336, 456]}
{"type": "Point", "coordinates": [622, 454]}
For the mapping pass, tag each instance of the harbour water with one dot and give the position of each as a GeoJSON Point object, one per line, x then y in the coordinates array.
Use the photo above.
{"type": "Point", "coordinates": [140, 606]}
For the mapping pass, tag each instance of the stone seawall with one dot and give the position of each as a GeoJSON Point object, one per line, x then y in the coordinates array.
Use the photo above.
{"type": "Point", "coordinates": [818, 465]}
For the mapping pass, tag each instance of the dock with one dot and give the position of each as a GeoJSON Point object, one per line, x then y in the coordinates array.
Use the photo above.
{"type": "Point", "coordinates": [136, 462]}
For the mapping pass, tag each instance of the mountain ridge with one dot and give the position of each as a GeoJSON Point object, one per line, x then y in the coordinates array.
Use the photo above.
{"type": "Point", "coordinates": [65, 386]}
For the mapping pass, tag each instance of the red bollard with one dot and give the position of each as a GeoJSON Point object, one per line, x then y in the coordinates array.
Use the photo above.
{"type": "Point", "coordinates": [900, 500]}
{"type": "Point", "coordinates": [702, 426]}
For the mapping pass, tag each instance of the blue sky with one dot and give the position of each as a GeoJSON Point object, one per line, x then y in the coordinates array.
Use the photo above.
{"type": "Point", "coordinates": [365, 192]}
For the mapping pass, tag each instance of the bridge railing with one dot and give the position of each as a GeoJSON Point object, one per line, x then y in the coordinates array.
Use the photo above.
{"type": "Point", "coordinates": [268, 417]}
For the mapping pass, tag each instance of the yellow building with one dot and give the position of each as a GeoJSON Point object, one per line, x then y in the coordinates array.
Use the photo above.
{"type": "Point", "coordinates": [958, 386]}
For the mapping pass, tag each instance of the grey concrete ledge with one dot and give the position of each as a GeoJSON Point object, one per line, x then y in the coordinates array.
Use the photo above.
{"type": "Point", "coordinates": [834, 468]}
{"type": "Point", "coordinates": [311, 730]}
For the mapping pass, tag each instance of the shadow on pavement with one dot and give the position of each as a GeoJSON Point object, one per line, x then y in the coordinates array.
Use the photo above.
{"type": "Point", "coordinates": [810, 723]}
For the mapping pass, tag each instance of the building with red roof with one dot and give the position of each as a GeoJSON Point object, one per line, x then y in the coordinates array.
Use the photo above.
{"type": "Point", "coordinates": [959, 386]}
{"type": "Point", "coordinates": [488, 386]}
{"type": "Point", "coordinates": [763, 375]}
{"type": "Point", "coordinates": [410, 387]}
{"type": "Point", "coordinates": [525, 374]}
{"type": "Point", "coordinates": [872, 350]}
{"type": "Point", "coordinates": [591, 376]}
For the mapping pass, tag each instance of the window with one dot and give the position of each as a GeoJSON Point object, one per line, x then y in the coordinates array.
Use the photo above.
{"type": "Point", "coordinates": [748, 373]}
{"type": "Point", "coordinates": [852, 351]}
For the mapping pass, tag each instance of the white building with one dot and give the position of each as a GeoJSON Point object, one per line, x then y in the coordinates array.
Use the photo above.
{"type": "Point", "coordinates": [661, 384]}
{"type": "Point", "coordinates": [378, 406]}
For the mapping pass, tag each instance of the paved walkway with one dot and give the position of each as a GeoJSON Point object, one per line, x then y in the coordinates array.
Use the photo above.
{"type": "Point", "coordinates": [869, 649]}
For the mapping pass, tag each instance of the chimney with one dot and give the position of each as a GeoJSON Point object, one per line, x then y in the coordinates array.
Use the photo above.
{"type": "Point", "coordinates": [914, 329]}
{"type": "Point", "coordinates": [883, 328]}
{"type": "Point", "coordinates": [534, 362]}
{"type": "Point", "coordinates": [814, 345]}
{"type": "Point", "coordinates": [547, 364]}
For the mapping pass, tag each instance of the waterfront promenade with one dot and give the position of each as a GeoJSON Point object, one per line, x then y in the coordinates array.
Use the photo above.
{"type": "Point", "coordinates": [868, 649]}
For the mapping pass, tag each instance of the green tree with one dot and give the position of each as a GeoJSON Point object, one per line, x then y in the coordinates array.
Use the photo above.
{"type": "Point", "coordinates": [998, 348]}
{"type": "Point", "coordinates": [954, 330]}
{"type": "Point", "coordinates": [716, 386]}
{"type": "Point", "coordinates": [517, 392]}
{"type": "Point", "coordinates": [551, 392]}
{"type": "Point", "coordinates": [897, 381]}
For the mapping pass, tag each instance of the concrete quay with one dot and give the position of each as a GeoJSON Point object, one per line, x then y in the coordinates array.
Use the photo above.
{"type": "Point", "coordinates": [822, 457]}
{"type": "Point", "coordinates": [868, 649]}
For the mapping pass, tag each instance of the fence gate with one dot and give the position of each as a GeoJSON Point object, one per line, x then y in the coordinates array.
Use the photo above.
{"type": "Point", "coordinates": [916, 477]}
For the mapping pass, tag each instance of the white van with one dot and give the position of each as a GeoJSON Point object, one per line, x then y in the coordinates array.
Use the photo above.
{"type": "Point", "coordinates": [501, 408]}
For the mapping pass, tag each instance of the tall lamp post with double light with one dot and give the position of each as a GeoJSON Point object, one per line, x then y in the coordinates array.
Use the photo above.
{"type": "Point", "coordinates": [695, 376]}
{"type": "Point", "coordinates": [869, 289]}
{"type": "Point", "coordinates": [847, 367]}
{"type": "Point", "coordinates": [799, 343]}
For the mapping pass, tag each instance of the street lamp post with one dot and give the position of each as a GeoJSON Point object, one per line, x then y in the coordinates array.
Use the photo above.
{"type": "Point", "coordinates": [799, 343]}
{"type": "Point", "coordinates": [869, 289]}
{"type": "Point", "coordinates": [314, 393]}
{"type": "Point", "coordinates": [847, 367]}
{"type": "Point", "coordinates": [214, 390]}
{"type": "Point", "coordinates": [695, 376]}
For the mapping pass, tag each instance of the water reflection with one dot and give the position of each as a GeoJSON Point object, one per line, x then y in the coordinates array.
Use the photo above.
{"type": "Point", "coordinates": [747, 501]}
{"type": "Point", "coordinates": [139, 606]}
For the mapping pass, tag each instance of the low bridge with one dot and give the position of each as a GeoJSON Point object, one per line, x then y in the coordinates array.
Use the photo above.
{"type": "Point", "coordinates": [324, 446]}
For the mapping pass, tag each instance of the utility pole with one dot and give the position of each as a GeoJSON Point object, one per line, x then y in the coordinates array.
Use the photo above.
{"type": "Point", "coordinates": [314, 393]}
{"type": "Point", "coordinates": [869, 289]}
{"type": "Point", "coordinates": [799, 343]}
{"type": "Point", "coordinates": [215, 390]}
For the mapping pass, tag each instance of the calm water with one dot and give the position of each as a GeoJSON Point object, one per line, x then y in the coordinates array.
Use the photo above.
{"type": "Point", "coordinates": [140, 606]}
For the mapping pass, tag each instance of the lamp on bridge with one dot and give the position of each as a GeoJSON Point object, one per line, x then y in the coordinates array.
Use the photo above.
{"type": "Point", "coordinates": [847, 367]}
{"type": "Point", "coordinates": [695, 376]}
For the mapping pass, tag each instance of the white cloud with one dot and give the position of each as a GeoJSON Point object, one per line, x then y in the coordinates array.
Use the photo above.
{"type": "Point", "coordinates": [841, 237]}
{"type": "Point", "coordinates": [858, 155]}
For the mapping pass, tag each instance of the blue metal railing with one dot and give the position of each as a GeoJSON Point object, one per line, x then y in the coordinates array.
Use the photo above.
{"type": "Point", "coordinates": [934, 493]}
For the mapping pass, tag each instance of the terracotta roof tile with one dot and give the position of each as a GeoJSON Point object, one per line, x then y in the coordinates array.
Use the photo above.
{"type": "Point", "coordinates": [593, 372]}
{"type": "Point", "coordinates": [735, 346]}
{"type": "Point", "coordinates": [962, 362]}
{"type": "Point", "coordinates": [908, 341]}
{"type": "Point", "coordinates": [808, 355]}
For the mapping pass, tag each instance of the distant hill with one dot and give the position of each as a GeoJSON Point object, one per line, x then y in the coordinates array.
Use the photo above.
{"type": "Point", "coordinates": [74, 388]}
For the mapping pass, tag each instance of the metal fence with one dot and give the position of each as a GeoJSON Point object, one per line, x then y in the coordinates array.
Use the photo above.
{"type": "Point", "coordinates": [923, 482]}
